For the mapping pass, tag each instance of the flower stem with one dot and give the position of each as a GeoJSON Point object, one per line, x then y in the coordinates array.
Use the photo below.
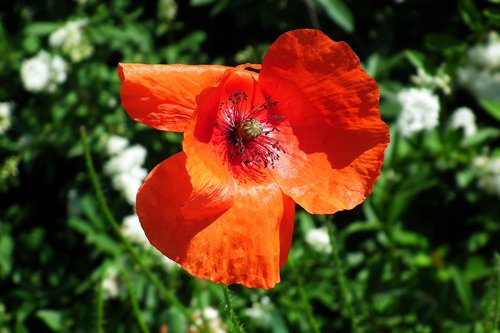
{"type": "Point", "coordinates": [100, 308]}
{"type": "Point", "coordinates": [128, 246]}
{"type": "Point", "coordinates": [306, 304]}
{"type": "Point", "coordinates": [133, 301]}
{"type": "Point", "coordinates": [493, 306]}
{"type": "Point", "coordinates": [230, 310]}
{"type": "Point", "coordinates": [345, 290]}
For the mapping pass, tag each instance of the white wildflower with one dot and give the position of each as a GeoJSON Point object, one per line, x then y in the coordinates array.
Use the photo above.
{"type": "Point", "coordinates": [132, 229]}
{"type": "Point", "coordinates": [482, 83]}
{"type": "Point", "coordinates": [465, 119]}
{"type": "Point", "coordinates": [125, 161]}
{"type": "Point", "coordinates": [260, 312]}
{"type": "Point", "coordinates": [128, 184]}
{"type": "Point", "coordinates": [319, 240]}
{"type": "Point", "coordinates": [486, 55]}
{"type": "Point", "coordinates": [420, 110]}
{"type": "Point", "coordinates": [35, 72]}
{"type": "Point", "coordinates": [5, 115]}
{"type": "Point", "coordinates": [43, 72]}
{"type": "Point", "coordinates": [71, 40]}
{"type": "Point", "coordinates": [110, 285]}
{"type": "Point", "coordinates": [116, 144]}
{"type": "Point", "coordinates": [489, 169]}
{"type": "Point", "coordinates": [208, 319]}
{"type": "Point", "coordinates": [125, 167]}
{"type": "Point", "coordinates": [481, 74]}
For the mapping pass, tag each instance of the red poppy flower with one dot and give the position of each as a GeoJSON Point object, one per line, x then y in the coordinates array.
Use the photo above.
{"type": "Point", "coordinates": [305, 130]}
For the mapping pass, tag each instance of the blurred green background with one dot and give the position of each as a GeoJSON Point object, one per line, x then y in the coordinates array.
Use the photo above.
{"type": "Point", "coordinates": [420, 255]}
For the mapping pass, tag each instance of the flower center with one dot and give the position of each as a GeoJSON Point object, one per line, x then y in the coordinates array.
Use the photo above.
{"type": "Point", "coordinates": [248, 134]}
{"type": "Point", "coordinates": [249, 129]}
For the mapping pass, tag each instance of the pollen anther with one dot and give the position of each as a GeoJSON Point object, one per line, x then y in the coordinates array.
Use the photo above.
{"type": "Point", "coordinates": [248, 133]}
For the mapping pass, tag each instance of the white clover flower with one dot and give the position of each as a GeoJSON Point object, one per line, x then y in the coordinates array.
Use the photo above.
{"type": "Point", "coordinates": [489, 179]}
{"type": "Point", "coordinates": [5, 115]}
{"type": "Point", "coordinates": [319, 240]}
{"type": "Point", "coordinates": [420, 110]}
{"type": "Point", "coordinates": [116, 144]}
{"type": "Point", "coordinates": [465, 119]}
{"type": "Point", "coordinates": [481, 74]}
{"type": "Point", "coordinates": [43, 72]}
{"type": "Point", "coordinates": [71, 40]}
{"type": "Point", "coordinates": [110, 285]}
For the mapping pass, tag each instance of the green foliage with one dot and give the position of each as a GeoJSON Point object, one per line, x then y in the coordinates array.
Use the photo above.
{"type": "Point", "coordinates": [419, 255]}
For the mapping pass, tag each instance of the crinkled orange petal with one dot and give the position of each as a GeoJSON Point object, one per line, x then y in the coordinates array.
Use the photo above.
{"type": "Point", "coordinates": [242, 245]}
{"type": "Point", "coordinates": [163, 96]}
{"type": "Point", "coordinates": [209, 176]}
{"type": "Point", "coordinates": [335, 145]}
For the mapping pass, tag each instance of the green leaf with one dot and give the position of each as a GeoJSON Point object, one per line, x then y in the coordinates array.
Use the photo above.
{"type": "Point", "coordinates": [476, 268]}
{"type": "Point", "coordinates": [357, 227]}
{"type": "Point", "coordinates": [196, 3]}
{"type": "Point", "coordinates": [306, 222]}
{"type": "Point", "coordinates": [53, 319]}
{"type": "Point", "coordinates": [41, 28]}
{"type": "Point", "coordinates": [480, 137]}
{"type": "Point", "coordinates": [6, 248]}
{"type": "Point", "coordinates": [339, 13]}
{"type": "Point", "coordinates": [492, 107]}
{"type": "Point", "coordinates": [278, 324]}
{"type": "Point", "coordinates": [493, 15]}
{"type": "Point", "coordinates": [462, 287]}
{"type": "Point", "coordinates": [176, 321]}
{"type": "Point", "coordinates": [416, 58]}
{"type": "Point", "coordinates": [470, 15]}
{"type": "Point", "coordinates": [102, 241]}
{"type": "Point", "coordinates": [439, 42]}
{"type": "Point", "coordinates": [409, 238]}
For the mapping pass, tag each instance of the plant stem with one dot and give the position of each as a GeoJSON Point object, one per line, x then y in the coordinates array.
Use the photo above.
{"type": "Point", "coordinates": [232, 314]}
{"type": "Point", "coordinates": [100, 308]}
{"type": "Point", "coordinates": [128, 246]}
{"type": "Point", "coordinates": [133, 301]}
{"type": "Point", "coordinates": [345, 290]}
{"type": "Point", "coordinates": [306, 304]}
{"type": "Point", "coordinates": [496, 293]}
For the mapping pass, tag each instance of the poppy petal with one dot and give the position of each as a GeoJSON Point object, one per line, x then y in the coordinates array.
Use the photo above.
{"type": "Point", "coordinates": [163, 96]}
{"type": "Point", "coordinates": [336, 141]}
{"type": "Point", "coordinates": [209, 167]}
{"type": "Point", "coordinates": [242, 245]}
